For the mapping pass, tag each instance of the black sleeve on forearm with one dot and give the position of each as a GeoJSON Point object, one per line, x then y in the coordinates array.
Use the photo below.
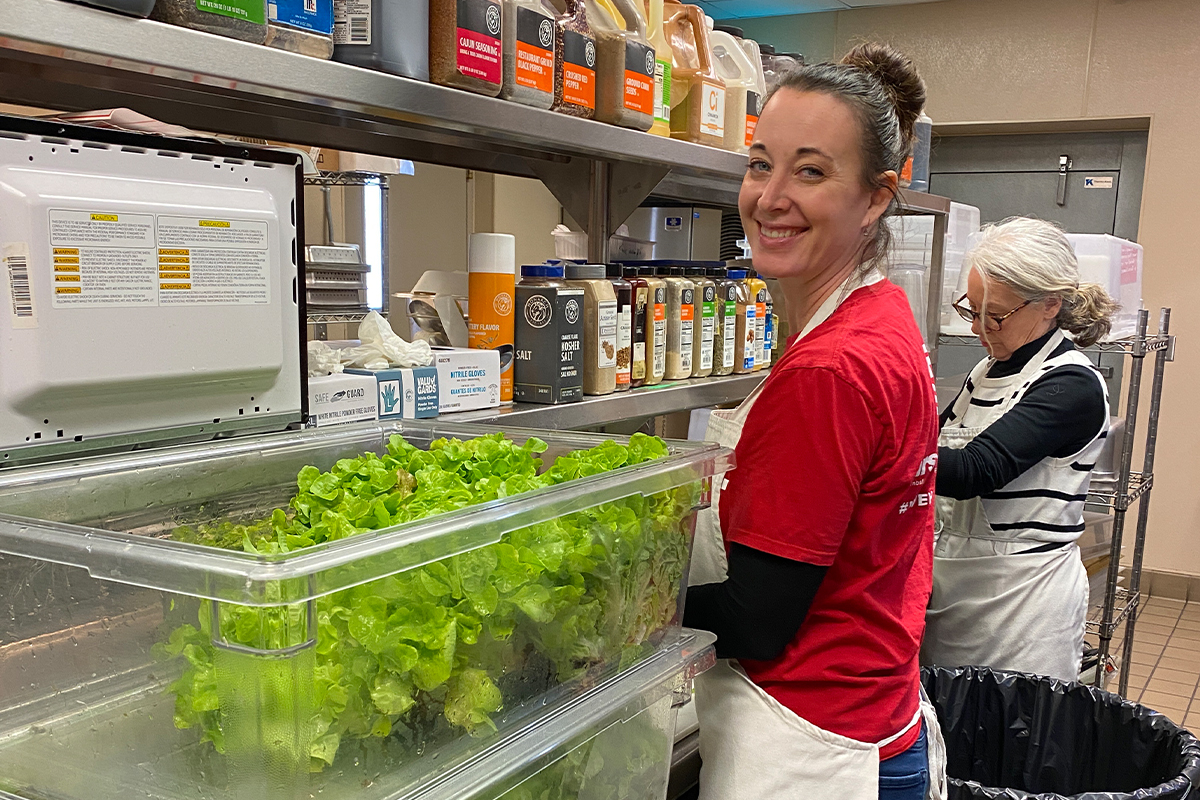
{"type": "Point", "coordinates": [756, 612]}
{"type": "Point", "coordinates": [1059, 415]}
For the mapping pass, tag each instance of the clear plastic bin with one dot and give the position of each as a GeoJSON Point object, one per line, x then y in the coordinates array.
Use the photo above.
{"type": "Point", "coordinates": [1115, 264]}
{"type": "Point", "coordinates": [376, 665]}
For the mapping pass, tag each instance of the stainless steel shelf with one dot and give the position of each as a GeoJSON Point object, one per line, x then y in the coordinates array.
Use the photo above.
{"type": "Point", "coordinates": [648, 401]}
{"type": "Point", "coordinates": [921, 203]}
{"type": "Point", "coordinates": [70, 57]}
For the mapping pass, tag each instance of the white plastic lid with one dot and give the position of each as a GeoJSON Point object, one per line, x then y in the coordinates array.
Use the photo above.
{"type": "Point", "coordinates": [492, 252]}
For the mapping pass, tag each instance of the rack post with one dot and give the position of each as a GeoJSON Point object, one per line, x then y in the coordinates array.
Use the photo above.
{"type": "Point", "coordinates": [1139, 541]}
{"type": "Point", "coordinates": [1121, 501]}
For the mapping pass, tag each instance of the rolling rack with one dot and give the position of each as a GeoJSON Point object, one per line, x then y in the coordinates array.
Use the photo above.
{"type": "Point", "coordinates": [1127, 488]}
{"type": "Point", "coordinates": [1121, 604]}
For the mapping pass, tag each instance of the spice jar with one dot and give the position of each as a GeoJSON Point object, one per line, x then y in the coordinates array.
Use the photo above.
{"type": "Point", "coordinates": [681, 314]}
{"type": "Point", "coordinates": [625, 64]}
{"type": "Point", "coordinates": [758, 290]}
{"type": "Point", "coordinates": [725, 327]}
{"type": "Point", "coordinates": [237, 19]}
{"type": "Point", "coordinates": [599, 327]}
{"type": "Point", "coordinates": [642, 317]}
{"type": "Point", "coordinates": [529, 52]}
{"type": "Point", "coordinates": [624, 291]}
{"type": "Point", "coordinates": [656, 327]}
{"type": "Point", "coordinates": [746, 333]}
{"type": "Point", "coordinates": [465, 45]}
{"type": "Point", "coordinates": [704, 327]}
{"type": "Point", "coordinates": [549, 337]}
{"type": "Point", "coordinates": [574, 63]}
{"type": "Point", "coordinates": [301, 26]}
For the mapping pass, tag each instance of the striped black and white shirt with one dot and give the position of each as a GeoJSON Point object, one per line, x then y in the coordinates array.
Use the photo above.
{"type": "Point", "coordinates": [1060, 416]}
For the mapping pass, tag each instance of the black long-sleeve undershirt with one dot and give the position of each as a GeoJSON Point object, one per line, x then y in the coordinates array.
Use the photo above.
{"type": "Point", "coordinates": [1057, 417]}
{"type": "Point", "coordinates": [759, 608]}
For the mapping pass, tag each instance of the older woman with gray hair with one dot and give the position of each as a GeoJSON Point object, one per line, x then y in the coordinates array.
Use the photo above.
{"type": "Point", "coordinates": [1016, 453]}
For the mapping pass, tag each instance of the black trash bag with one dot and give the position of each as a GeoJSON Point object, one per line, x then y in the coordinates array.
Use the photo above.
{"type": "Point", "coordinates": [1011, 736]}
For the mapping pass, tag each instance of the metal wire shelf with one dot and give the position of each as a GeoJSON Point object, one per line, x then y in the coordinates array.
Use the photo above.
{"type": "Point", "coordinates": [1139, 484]}
{"type": "Point", "coordinates": [335, 317]}
{"type": "Point", "coordinates": [344, 179]}
{"type": "Point", "coordinates": [1126, 603]}
{"type": "Point", "coordinates": [1127, 345]}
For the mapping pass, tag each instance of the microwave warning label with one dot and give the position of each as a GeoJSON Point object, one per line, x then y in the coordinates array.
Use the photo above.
{"type": "Point", "coordinates": [101, 258]}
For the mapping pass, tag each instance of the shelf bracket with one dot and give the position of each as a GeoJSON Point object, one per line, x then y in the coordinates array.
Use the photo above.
{"type": "Point", "coordinates": [599, 195]}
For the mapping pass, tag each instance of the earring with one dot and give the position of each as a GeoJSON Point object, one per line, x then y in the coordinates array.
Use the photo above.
{"type": "Point", "coordinates": [866, 232]}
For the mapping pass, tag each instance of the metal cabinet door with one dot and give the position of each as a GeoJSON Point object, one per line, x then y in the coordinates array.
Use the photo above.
{"type": "Point", "coordinates": [1087, 208]}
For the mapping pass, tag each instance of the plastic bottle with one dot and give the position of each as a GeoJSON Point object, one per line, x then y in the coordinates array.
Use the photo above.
{"type": "Point", "coordinates": [681, 322]}
{"type": "Point", "coordinates": [922, 135]}
{"type": "Point", "coordinates": [465, 45]}
{"type": "Point", "coordinates": [662, 68]}
{"type": "Point", "coordinates": [599, 327]}
{"type": "Point", "coordinates": [758, 291]}
{"type": "Point", "coordinates": [625, 64]}
{"type": "Point", "coordinates": [642, 308]}
{"type": "Point", "coordinates": [754, 105]}
{"type": "Point", "coordinates": [746, 327]}
{"type": "Point", "coordinates": [301, 26]}
{"type": "Point", "coordinates": [528, 34]}
{"type": "Point", "coordinates": [697, 91]}
{"type": "Point", "coordinates": [574, 63]}
{"type": "Point", "coordinates": [549, 331]}
{"type": "Point", "coordinates": [238, 19]}
{"type": "Point", "coordinates": [704, 327]}
{"type": "Point", "coordinates": [725, 329]}
{"type": "Point", "coordinates": [624, 292]}
{"type": "Point", "coordinates": [656, 327]}
{"type": "Point", "coordinates": [767, 56]}
{"type": "Point", "coordinates": [741, 91]}
{"type": "Point", "coordinates": [387, 35]}
{"type": "Point", "coordinates": [491, 287]}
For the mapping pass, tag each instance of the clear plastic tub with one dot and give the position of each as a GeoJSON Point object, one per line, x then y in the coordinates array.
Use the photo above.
{"type": "Point", "coordinates": [237, 19]}
{"type": "Point", "coordinates": [167, 669]}
{"type": "Point", "coordinates": [1115, 264]}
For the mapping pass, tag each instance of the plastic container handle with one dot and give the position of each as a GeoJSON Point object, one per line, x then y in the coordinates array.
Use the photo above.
{"type": "Point", "coordinates": [730, 46]}
{"type": "Point", "coordinates": [635, 21]}
{"type": "Point", "coordinates": [699, 33]}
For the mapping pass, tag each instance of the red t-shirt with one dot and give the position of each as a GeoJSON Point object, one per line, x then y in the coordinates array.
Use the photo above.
{"type": "Point", "coordinates": [835, 467]}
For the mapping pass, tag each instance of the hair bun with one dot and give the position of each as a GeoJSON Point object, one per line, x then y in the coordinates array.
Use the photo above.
{"type": "Point", "coordinates": [899, 78]}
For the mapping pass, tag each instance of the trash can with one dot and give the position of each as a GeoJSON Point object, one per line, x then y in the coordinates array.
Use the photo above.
{"type": "Point", "coordinates": [1011, 736]}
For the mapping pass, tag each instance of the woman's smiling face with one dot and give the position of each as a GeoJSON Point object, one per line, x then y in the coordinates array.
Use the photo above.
{"type": "Point", "coordinates": [803, 203]}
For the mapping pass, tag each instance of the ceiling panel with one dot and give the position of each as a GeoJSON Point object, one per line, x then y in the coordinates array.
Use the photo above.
{"type": "Point", "coordinates": [743, 9]}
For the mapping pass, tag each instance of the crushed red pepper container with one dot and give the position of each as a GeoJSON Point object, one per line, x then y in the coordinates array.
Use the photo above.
{"type": "Point", "coordinates": [574, 63]}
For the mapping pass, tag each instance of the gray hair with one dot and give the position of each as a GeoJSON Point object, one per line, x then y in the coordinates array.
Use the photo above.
{"type": "Point", "coordinates": [883, 90]}
{"type": "Point", "coordinates": [1034, 259]}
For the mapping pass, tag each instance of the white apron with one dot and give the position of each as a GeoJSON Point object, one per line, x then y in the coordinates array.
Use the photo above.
{"type": "Point", "coordinates": [752, 746]}
{"type": "Point", "coordinates": [994, 603]}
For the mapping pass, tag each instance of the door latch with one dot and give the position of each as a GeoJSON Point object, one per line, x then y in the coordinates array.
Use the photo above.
{"type": "Point", "coordinates": [1064, 166]}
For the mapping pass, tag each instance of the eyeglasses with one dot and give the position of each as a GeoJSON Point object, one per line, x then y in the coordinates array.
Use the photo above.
{"type": "Point", "coordinates": [995, 320]}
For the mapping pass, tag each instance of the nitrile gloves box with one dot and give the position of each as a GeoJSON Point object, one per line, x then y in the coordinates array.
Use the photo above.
{"type": "Point", "coordinates": [405, 393]}
{"type": "Point", "coordinates": [467, 378]}
{"type": "Point", "coordinates": [335, 399]}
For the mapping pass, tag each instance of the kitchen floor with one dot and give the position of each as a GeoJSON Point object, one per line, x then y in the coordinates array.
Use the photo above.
{"type": "Point", "coordinates": [1165, 669]}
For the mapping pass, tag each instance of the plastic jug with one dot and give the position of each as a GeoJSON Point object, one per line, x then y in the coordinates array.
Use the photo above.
{"type": "Point", "coordinates": [662, 68]}
{"type": "Point", "coordinates": [625, 64]}
{"type": "Point", "coordinates": [465, 45]}
{"type": "Point", "coordinates": [775, 65]}
{"type": "Point", "coordinates": [697, 91]}
{"type": "Point", "coordinates": [741, 91]}
{"type": "Point", "coordinates": [528, 34]}
{"type": "Point", "coordinates": [387, 35]}
{"type": "Point", "coordinates": [574, 62]}
{"type": "Point", "coordinates": [750, 48]}
{"type": "Point", "coordinates": [922, 136]}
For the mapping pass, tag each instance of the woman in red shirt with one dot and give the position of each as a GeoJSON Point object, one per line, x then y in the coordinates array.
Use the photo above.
{"type": "Point", "coordinates": [815, 566]}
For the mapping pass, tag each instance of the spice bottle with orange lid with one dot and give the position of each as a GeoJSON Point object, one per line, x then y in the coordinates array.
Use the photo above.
{"type": "Point", "coordinates": [465, 45]}
{"type": "Point", "coordinates": [575, 64]}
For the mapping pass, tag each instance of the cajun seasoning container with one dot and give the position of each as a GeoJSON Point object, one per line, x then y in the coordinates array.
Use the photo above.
{"type": "Point", "coordinates": [624, 291]}
{"type": "Point", "coordinates": [549, 333]}
{"type": "Point", "coordinates": [529, 52]}
{"type": "Point", "coordinates": [746, 330]}
{"type": "Point", "coordinates": [681, 316]}
{"type": "Point", "coordinates": [656, 327]}
{"type": "Point", "coordinates": [642, 318]}
{"type": "Point", "coordinates": [725, 327]}
{"type": "Point", "coordinates": [599, 327]}
{"type": "Point", "coordinates": [465, 45]}
{"type": "Point", "coordinates": [704, 327]}
{"type": "Point", "coordinates": [574, 63]}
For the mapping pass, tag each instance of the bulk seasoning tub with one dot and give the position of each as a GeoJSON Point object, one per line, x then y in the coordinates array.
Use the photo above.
{"type": "Point", "coordinates": [430, 659]}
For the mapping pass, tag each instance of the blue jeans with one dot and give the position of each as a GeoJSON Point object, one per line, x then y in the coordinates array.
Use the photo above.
{"type": "Point", "coordinates": [906, 776]}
